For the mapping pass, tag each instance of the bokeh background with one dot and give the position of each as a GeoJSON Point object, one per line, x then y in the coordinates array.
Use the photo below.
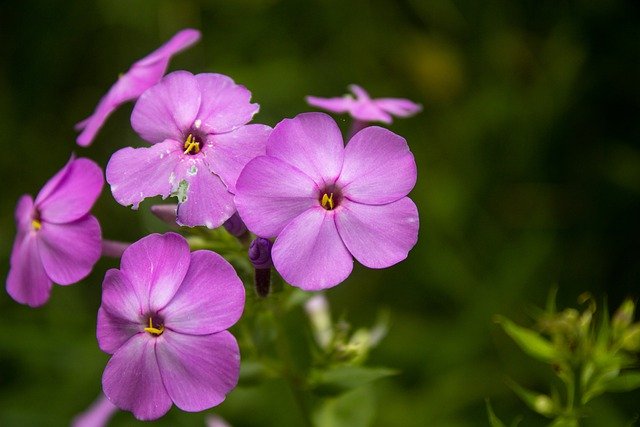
{"type": "Point", "coordinates": [528, 151]}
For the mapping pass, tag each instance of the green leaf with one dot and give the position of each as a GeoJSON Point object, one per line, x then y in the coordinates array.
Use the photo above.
{"type": "Point", "coordinates": [529, 341]}
{"type": "Point", "coordinates": [625, 382]}
{"type": "Point", "coordinates": [564, 422]}
{"type": "Point", "coordinates": [343, 378]}
{"type": "Point", "coordinates": [353, 409]}
{"type": "Point", "coordinates": [494, 421]}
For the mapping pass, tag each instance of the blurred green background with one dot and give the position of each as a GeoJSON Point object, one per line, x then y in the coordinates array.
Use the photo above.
{"type": "Point", "coordinates": [528, 152]}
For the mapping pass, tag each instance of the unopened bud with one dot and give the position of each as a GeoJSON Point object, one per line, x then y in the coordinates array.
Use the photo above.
{"type": "Point", "coordinates": [623, 317]}
{"type": "Point", "coordinates": [317, 308]}
{"type": "Point", "coordinates": [544, 405]}
{"type": "Point", "coordinates": [260, 256]}
{"type": "Point", "coordinates": [166, 213]}
{"type": "Point", "coordinates": [235, 226]}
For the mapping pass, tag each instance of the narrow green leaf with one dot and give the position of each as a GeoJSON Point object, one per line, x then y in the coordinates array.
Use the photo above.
{"type": "Point", "coordinates": [342, 378]}
{"type": "Point", "coordinates": [529, 341]}
{"type": "Point", "coordinates": [625, 382]}
{"type": "Point", "coordinates": [494, 421]}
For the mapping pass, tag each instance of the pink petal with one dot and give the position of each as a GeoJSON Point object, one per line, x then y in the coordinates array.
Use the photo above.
{"type": "Point", "coordinates": [378, 167]}
{"type": "Point", "coordinates": [225, 104]}
{"type": "Point", "coordinates": [340, 104]}
{"type": "Point", "coordinates": [359, 92]}
{"type": "Point", "coordinates": [155, 266]}
{"type": "Point", "coordinates": [137, 173]}
{"type": "Point", "coordinates": [27, 282]}
{"type": "Point", "coordinates": [132, 381]}
{"type": "Point", "coordinates": [270, 193]}
{"type": "Point", "coordinates": [398, 106]}
{"type": "Point", "coordinates": [310, 254]}
{"type": "Point", "coordinates": [203, 198]}
{"type": "Point", "coordinates": [121, 313]}
{"type": "Point", "coordinates": [198, 370]}
{"type": "Point", "coordinates": [230, 152]}
{"type": "Point", "coordinates": [311, 142]}
{"type": "Point", "coordinates": [179, 42]}
{"type": "Point", "coordinates": [368, 111]}
{"type": "Point", "coordinates": [142, 75]}
{"type": "Point", "coordinates": [24, 213]}
{"type": "Point", "coordinates": [168, 109]}
{"type": "Point", "coordinates": [71, 193]}
{"type": "Point", "coordinates": [379, 236]}
{"type": "Point", "coordinates": [69, 251]}
{"type": "Point", "coordinates": [97, 415]}
{"type": "Point", "coordinates": [211, 298]}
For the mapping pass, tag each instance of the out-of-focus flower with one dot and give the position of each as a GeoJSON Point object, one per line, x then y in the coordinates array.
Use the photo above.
{"type": "Point", "coordinates": [216, 421]}
{"type": "Point", "coordinates": [366, 109]}
{"type": "Point", "coordinates": [58, 241]}
{"type": "Point", "coordinates": [326, 203]}
{"type": "Point", "coordinates": [164, 317]}
{"type": "Point", "coordinates": [97, 415]}
{"type": "Point", "coordinates": [200, 143]}
{"type": "Point", "coordinates": [141, 76]}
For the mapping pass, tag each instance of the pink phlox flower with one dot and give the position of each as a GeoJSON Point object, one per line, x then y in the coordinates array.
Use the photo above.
{"type": "Point", "coordinates": [142, 75]}
{"type": "Point", "coordinates": [200, 143]}
{"type": "Point", "coordinates": [366, 109]}
{"type": "Point", "coordinates": [164, 318]}
{"type": "Point", "coordinates": [57, 240]}
{"type": "Point", "coordinates": [326, 203]}
{"type": "Point", "coordinates": [97, 415]}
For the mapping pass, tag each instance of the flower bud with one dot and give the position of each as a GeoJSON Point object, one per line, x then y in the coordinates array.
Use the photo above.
{"type": "Point", "coordinates": [235, 226]}
{"type": "Point", "coordinates": [260, 257]}
{"type": "Point", "coordinates": [317, 308]}
{"type": "Point", "coordinates": [166, 213]}
{"type": "Point", "coordinates": [623, 317]}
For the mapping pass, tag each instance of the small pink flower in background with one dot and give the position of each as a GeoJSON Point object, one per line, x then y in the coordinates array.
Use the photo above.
{"type": "Point", "coordinates": [142, 75]}
{"type": "Point", "coordinates": [164, 318]}
{"type": "Point", "coordinates": [57, 240]}
{"type": "Point", "coordinates": [326, 203]}
{"type": "Point", "coordinates": [200, 143]}
{"type": "Point", "coordinates": [366, 109]}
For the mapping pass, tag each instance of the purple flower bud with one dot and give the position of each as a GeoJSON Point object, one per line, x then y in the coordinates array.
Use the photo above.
{"type": "Point", "coordinates": [260, 253]}
{"type": "Point", "coordinates": [166, 213]}
{"type": "Point", "coordinates": [235, 226]}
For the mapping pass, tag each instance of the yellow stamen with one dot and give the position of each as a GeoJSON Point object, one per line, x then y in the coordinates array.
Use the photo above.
{"type": "Point", "coordinates": [152, 330]}
{"type": "Point", "coordinates": [191, 144]}
{"type": "Point", "coordinates": [37, 225]}
{"type": "Point", "coordinates": [327, 201]}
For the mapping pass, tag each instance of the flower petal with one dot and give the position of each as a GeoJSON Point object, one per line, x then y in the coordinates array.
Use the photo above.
{"type": "Point", "coordinates": [203, 198]}
{"type": "Point", "coordinates": [121, 313]}
{"type": "Point", "coordinates": [168, 109]}
{"type": "Point", "coordinates": [69, 251]}
{"type": "Point", "coordinates": [71, 193]}
{"type": "Point", "coordinates": [340, 104]}
{"type": "Point", "coordinates": [210, 299]}
{"type": "Point", "coordinates": [97, 415]}
{"type": "Point", "coordinates": [310, 254]}
{"type": "Point", "coordinates": [379, 236]}
{"type": "Point", "coordinates": [155, 266]}
{"type": "Point", "coordinates": [270, 193]}
{"type": "Point", "coordinates": [311, 142]}
{"type": "Point", "coordinates": [27, 282]}
{"type": "Point", "coordinates": [24, 213]}
{"type": "Point", "coordinates": [132, 381]}
{"type": "Point", "coordinates": [378, 167]}
{"type": "Point", "coordinates": [142, 75]}
{"type": "Point", "coordinates": [225, 104]}
{"type": "Point", "coordinates": [398, 106]}
{"type": "Point", "coordinates": [198, 370]}
{"type": "Point", "coordinates": [137, 173]}
{"type": "Point", "coordinates": [230, 152]}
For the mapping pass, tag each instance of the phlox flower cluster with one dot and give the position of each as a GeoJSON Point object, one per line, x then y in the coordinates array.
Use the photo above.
{"type": "Point", "coordinates": [310, 203]}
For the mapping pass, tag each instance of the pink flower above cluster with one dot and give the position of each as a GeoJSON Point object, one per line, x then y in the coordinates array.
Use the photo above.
{"type": "Point", "coordinates": [366, 109]}
{"type": "Point", "coordinates": [141, 76]}
{"type": "Point", "coordinates": [164, 316]}
{"type": "Point", "coordinates": [326, 203]}
{"type": "Point", "coordinates": [200, 143]}
{"type": "Point", "coordinates": [57, 240]}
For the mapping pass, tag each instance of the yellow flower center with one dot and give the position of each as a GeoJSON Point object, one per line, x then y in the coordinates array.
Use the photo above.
{"type": "Point", "coordinates": [36, 224]}
{"type": "Point", "coordinates": [191, 146]}
{"type": "Point", "coordinates": [152, 330]}
{"type": "Point", "coordinates": [327, 201]}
